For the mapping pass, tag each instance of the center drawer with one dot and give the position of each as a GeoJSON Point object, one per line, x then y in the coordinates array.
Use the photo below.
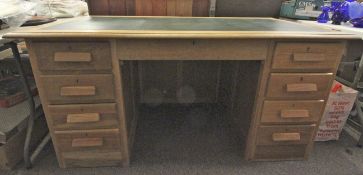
{"type": "Point", "coordinates": [88, 140]}
{"type": "Point", "coordinates": [299, 85]}
{"type": "Point", "coordinates": [66, 89]}
{"type": "Point", "coordinates": [285, 135]}
{"type": "Point", "coordinates": [83, 116]}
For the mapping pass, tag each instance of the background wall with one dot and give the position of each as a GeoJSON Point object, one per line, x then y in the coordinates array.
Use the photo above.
{"type": "Point", "coordinates": [265, 8]}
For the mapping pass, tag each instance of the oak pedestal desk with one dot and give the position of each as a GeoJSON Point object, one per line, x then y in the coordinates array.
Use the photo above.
{"type": "Point", "coordinates": [87, 79]}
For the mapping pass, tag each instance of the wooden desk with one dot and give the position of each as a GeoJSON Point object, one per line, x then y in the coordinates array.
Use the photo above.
{"type": "Point", "coordinates": [91, 101]}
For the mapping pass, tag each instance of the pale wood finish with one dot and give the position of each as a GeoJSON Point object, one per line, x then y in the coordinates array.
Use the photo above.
{"type": "Point", "coordinates": [290, 112]}
{"type": "Point", "coordinates": [83, 116]}
{"type": "Point", "coordinates": [72, 57]}
{"type": "Point", "coordinates": [78, 91]}
{"type": "Point", "coordinates": [87, 142]}
{"type": "Point", "coordinates": [192, 49]}
{"type": "Point", "coordinates": [67, 89]}
{"type": "Point", "coordinates": [295, 113]}
{"type": "Point", "coordinates": [303, 86]}
{"type": "Point", "coordinates": [283, 137]}
{"type": "Point", "coordinates": [63, 56]}
{"type": "Point", "coordinates": [307, 56]}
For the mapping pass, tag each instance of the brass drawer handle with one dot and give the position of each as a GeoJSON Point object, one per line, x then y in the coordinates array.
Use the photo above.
{"type": "Point", "coordinates": [308, 57]}
{"type": "Point", "coordinates": [72, 57]}
{"type": "Point", "coordinates": [78, 91]}
{"type": "Point", "coordinates": [87, 142]}
{"type": "Point", "coordinates": [83, 118]}
{"type": "Point", "coordinates": [294, 114]}
{"type": "Point", "coordinates": [282, 137]}
{"type": "Point", "coordinates": [302, 87]}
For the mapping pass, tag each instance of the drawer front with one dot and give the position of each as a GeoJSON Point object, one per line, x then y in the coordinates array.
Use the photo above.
{"type": "Point", "coordinates": [88, 140]}
{"type": "Point", "coordinates": [83, 116]}
{"type": "Point", "coordinates": [285, 135]}
{"type": "Point", "coordinates": [301, 86]}
{"type": "Point", "coordinates": [307, 56]}
{"type": "Point", "coordinates": [65, 89]}
{"type": "Point", "coordinates": [91, 159]}
{"type": "Point", "coordinates": [280, 152]}
{"type": "Point", "coordinates": [285, 112]}
{"type": "Point", "coordinates": [73, 55]}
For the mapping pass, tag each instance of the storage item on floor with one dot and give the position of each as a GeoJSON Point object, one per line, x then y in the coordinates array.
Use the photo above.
{"type": "Point", "coordinates": [340, 102]}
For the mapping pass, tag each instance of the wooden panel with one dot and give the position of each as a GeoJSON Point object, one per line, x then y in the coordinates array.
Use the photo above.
{"type": "Point", "coordinates": [307, 56]}
{"type": "Point", "coordinates": [144, 8]}
{"type": "Point", "coordinates": [285, 135]}
{"type": "Point", "coordinates": [88, 140]}
{"type": "Point", "coordinates": [91, 159]}
{"type": "Point", "coordinates": [201, 7]}
{"type": "Point", "coordinates": [98, 7]}
{"type": "Point", "coordinates": [304, 86]}
{"type": "Point", "coordinates": [192, 49]}
{"type": "Point", "coordinates": [171, 7]}
{"type": "Point", "coordinates": [280, 152]}
{"type": "Point", "coordinates": [117, 7]}
{"type": "Point", "coordinates": [83, 116]}
{"type": "Point", "coordinates": [52, 56]}
{"type": "Point", "coordinates": [292, 111]}
{"type": "Point", "coordinates": [56, 94]}
{"type": "Point", "coordinates": [159, 7]}
{"type": "Point", "coordinates": [184, 8]}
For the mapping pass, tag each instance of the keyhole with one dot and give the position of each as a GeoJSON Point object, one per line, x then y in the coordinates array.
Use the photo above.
{"type": "Point", "coordinates": [77, 81]}
{"type": "Point", "coordinates": [308, 49]}
{"type": "Point", "coordinates": [301, 78]}
{"type": "Point", "coordinates": [193, 42]}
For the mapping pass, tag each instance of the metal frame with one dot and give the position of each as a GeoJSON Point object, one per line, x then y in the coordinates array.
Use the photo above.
{"type": "Point", "coordinates": [28, 157]}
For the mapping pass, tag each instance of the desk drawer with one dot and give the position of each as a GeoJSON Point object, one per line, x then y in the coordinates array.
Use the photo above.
{"type": "Point", "coordinates": [92, 158]}
{"type": "Point", "coordinates": [307, 56]}
{"type": "Point", "coordinates": [65, 89]}
{"type": "Point", "coordinates": [285, 112]}
{"type": "Point", "coordinates": [301, 86]}
{"type": "Point", "coordinates": [88, 140]}
{"type": "Point", "coordinates": [285, 135]}
{"type": "Point", "coordinates": [280, 152]}
{"type": "Point", "coordinates": [73, 55]}
{"type": "Point", "coordinates": [83, 116]}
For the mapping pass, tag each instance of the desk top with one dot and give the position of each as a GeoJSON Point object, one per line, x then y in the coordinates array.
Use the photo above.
{"type": "Point", "coordinates": [177, 27]}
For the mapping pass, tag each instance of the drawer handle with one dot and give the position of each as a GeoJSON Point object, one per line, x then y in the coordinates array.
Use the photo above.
{"type": "Point", "coordinates": [72, 57]}
{"type": "Point", "coordinates": [283, 137]}
{"type": "Point", "coordinates": [87, 142]}
{"type": "Point", "coordinates": [83, 118]}
{"type": "Point", "coordinates": [308, 57]}
{"type": "Point", "coordinates": [78, 91]}
{"type": "Point", "coordinates": [294, 114]}
{"type": "Point", "coordinates": [302, 87]}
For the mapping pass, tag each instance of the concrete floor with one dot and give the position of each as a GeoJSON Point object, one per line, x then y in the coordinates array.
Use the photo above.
{"type": "Point", "coordinates": [186, 144]}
